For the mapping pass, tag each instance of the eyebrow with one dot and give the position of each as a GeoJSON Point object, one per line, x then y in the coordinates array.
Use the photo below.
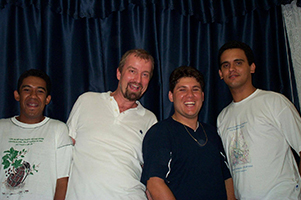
{"type": "Point", "coordinates": [134, 68]}
{"type": "Point", "coordinates": [238, 59]}
{"type": "Point", "coordinates": [184, 86]}
{"type": "Point", "coordinates": [130, 67]}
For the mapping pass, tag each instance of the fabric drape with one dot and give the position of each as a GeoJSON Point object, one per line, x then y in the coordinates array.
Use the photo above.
{"type": "Point", "coordinates": [292, 19]}
{"type": "Point", "coordinates": [79, 44]}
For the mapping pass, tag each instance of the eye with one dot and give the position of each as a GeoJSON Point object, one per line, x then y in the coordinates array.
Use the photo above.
{"type": "Point", "coordinates": [225, 65]}
{"type": "Point", "coordinates": [25, 90]}
{"type": "Point", "coordinates": [238, 63]}
{"type": "Point", "coordinates": [41, 91]}
{"type": "Point", "coordinates": [146, 75]}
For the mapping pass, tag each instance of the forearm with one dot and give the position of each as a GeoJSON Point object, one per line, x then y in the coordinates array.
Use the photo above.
{"type": "Point", "coordinates": [61, 188]}
{"type": "Point", "coordinates": [159, 190]}
{"type": "Point", "coordinates": [230, 189]}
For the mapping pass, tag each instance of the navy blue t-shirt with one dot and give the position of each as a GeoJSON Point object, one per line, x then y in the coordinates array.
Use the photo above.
{"type": "Point", "coordinates": [190, 171]}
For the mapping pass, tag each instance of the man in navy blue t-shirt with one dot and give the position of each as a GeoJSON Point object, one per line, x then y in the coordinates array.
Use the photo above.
{"type": "Point", "coordinates": [184, 158]}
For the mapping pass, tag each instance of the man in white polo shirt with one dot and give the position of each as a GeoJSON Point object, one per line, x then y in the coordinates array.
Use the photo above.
{"type": "Point", "coordinates": [108, 129]}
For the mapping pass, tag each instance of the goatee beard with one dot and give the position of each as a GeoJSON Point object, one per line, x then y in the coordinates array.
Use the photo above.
{"type": "Point", "coordinates": [132, 96]}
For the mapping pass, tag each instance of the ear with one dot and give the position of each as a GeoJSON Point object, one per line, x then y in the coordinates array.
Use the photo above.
{"type": "Point", "coordinates": [252, 68]}
{"type": "Point", "coordinates": [118, 74]}
{"type": "Point", "coordinates": [203, 96]}
{"type": "Point", "coordinates": [220, 74]}
{"type": "Point", "coordinates": [17, 95]}
{"type": "Point", "coordinates": [170, 96]}
{"type": "Point", "coordinates": [48, 99]}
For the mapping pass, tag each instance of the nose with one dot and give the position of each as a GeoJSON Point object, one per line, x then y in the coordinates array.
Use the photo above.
{"type": "Point", "coordinates": [33, 94]}
{"type": "Point", "coordinates": [138, 78]}
{"type": "Point", "coordinates": [232, 67]}
{"type": "Point", "coordinates": [189, 93]}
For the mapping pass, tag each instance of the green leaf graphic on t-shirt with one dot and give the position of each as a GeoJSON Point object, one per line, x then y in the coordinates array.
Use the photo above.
{"type": "Point", "coordinates": [13, 158]}
{"type": "Point", "coordinates": [16, 168]}
{"type": "Point", "coordinates": [17, 163]}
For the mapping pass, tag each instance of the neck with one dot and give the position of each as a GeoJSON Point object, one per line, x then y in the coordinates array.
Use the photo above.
{"type": "Point", "coordinates": [123, 103]}
{"type": "Point", "coordinates": [242, 93]}
{"type": "Point", "coordinates": [191, 123]}
{"type": "Point", "coordinates": [29, 120]}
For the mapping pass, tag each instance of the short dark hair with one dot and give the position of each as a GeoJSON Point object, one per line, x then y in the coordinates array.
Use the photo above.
{"type": "Point", "coordinates": [37, 73]}
{"type": "Point", "coordinates": [140, 53]}
{"type": "Point", "coordinates": [236, 45]}
{"type": "Point", "coordinates": [185, 71]}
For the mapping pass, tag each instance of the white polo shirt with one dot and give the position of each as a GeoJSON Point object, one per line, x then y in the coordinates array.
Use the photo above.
{"type": "Point", "coordinates": [108, 150]}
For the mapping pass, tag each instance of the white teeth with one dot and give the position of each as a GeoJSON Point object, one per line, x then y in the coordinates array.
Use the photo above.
{"type": "Point", "coordinates": [134, 86]}
{"type": "Point", "coordinates": [189, 103]}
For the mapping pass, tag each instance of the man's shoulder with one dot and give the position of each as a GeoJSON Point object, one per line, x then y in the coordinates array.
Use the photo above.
{"type": "Point", "coordinates": [5, 121]}
{"type": "Point", "coordinates": [272, 98]}
{"type": "Point", "coordinates": [165, 123]}
{"type": "Point", "coordinates": [56, 122]}
{"type": "Point", "coordinates": [92, 97]}
{"type": "Point", "coordinates": [149, 113]}
{"type": "Point", "coordinates": [268, 93]}
{"type": "Point", "coordinates": [160, 128]}
{"type": "Point", "coordinates": [258, 95]}
{"type": "Point", "coordinates": [141, 110]}
{"type": "Point", "coordinates": [224, 110]}
{"type": "Point", "coordinates": [94, 94]}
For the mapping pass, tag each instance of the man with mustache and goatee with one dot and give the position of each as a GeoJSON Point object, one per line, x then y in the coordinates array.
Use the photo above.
{"type": "Point", "coordinates": [107, 130]}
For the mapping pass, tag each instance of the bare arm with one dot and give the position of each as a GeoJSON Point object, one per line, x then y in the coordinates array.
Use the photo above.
{"type": "Point", "coordinates": [159, 190]}
{"type": "Point", "coordinates": [230, 189]}
{"type": "Point", "coordinates": [61, 188]}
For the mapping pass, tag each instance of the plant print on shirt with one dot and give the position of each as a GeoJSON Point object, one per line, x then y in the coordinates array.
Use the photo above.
{"type": "Point", "coordinates": [16, 168]}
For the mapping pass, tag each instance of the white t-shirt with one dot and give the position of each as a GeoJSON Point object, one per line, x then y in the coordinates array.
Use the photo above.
{"type": "Point", "coordinates": [33, 157]}
{"type": "Point", "coordinates": [108, 149]}
{"type": "Point", "coordinates": [257, 133]}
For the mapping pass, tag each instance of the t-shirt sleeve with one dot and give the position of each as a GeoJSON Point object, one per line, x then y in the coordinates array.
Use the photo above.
{"type": "Point", "coordinates": [72, 121]}
{"type": "Point", "coordinates": [156, 153]}
{"type": "Point", "coordinates": [223, 159]}
{"type": "Point", "coordinates": [63, 152]}
{"type": "Point", "coordinates": [289, 122]}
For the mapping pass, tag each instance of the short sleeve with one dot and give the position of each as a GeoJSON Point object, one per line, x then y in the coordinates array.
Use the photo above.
{"type": "Point", "coordinates": [290, 124]}
{"type": "Point", "coordinates": [156, 153]}
{"type": "Point", "coordinates": [63, 152]}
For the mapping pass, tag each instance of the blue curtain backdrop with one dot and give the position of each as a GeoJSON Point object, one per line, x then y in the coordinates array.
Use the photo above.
{"type": "Point", "coordinates": [79, 44]}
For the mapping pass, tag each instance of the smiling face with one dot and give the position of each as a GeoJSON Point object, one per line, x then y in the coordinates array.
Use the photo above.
{"type": "Point", "coordinates": [235, 69]}
{"type": "Point", "coordinates": [187, 97]}
{"type": "Point", "coordinates": [32, 96]}
{"type": "Point", "coordinates": [134, 78]}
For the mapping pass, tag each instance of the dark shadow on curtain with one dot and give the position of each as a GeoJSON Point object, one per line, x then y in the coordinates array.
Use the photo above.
{"type": "Point", "coordinates": [79, 45]}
